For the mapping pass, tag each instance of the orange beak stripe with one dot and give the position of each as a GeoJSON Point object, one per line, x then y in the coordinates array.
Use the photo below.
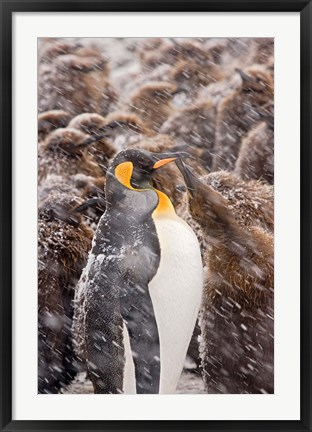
{"type": "Point", "coordinates": [162, 162]}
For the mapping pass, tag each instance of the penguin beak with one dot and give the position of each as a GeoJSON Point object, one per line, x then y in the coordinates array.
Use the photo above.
{"type": "Point", "coordinates": [178, 90]}
{"type": "Point", "coordinates": [243, 75]}
{"type": "Point", "coordinates": [190, 179]}
{"type": "Point", "coordinates": [92, 202]}
{"type": "Point", "coordinates": [112, 125]}
{"type": "Point", "coordinates": [73, 148]}
{"type": "Point", "coordinates": [164, 158]}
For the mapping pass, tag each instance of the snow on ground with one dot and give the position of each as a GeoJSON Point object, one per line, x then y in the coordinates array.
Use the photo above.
{"type": "Point", "coordinates": [190, 383]}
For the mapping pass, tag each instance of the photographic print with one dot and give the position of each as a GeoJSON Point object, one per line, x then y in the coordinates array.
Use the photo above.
{"type": "Point", "coordinates": [156, 215]}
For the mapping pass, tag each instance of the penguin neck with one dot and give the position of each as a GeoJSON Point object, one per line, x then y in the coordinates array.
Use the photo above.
{"type": "Point", "coordinates": [165, 207]}
{"type": "Point", "coordinates": [123, 174]}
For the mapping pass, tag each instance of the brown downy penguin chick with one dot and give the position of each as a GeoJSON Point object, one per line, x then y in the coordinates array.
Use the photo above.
{"type": "Point", "coordinates": [90, 123]}
{"type": "Point", "coordinates": [130, 86]}
{"type": "Point", "coordinates": [87, 188]}
{"type": "Point", "coordinates": [116, 132]}
{"type": "Point", "coordinates": [263, 50]}
{"type": "Point", "coordinates": [270, 66]}
{"type": "Point", "coordinates": [187, 63]}
{"type": "Point", "coordinates": [55, 184]}
{"type": "Point", "coordinates": [238, 113]}
{"type": "Point", "coordinates": [63, 244]}
{"type": "Point", "coordinates": [216, 47]}
{"type": "Point", "coordinates": [251, 202]}
{"type": "Point", "coordinates": [256, 155]}
{"type": "Point", "coordinates": [79, 185]}
{"type": "Point", "coordinates": [236, 318]}
{"type": "Point", "coordinates": [162, 56]}
{"type": "Point", "coordinates": [193, 129]}
{"type": "Point", "coordinates": [51, 120]}
{"type": "Point", "coordinates": [64, 152]}
{"type": "Point", "coordinates": [95, 125]}
{"type": "Point", "coordinates": [92, 191]}
{"type": "Point", "coordinates": [51, 48]}
{"type": "Point", "coordinates": [171, 52]}
{"type": "Point", "coordinates": [99, 151]}
{"type": "Point", "coordinates": [77, 83]}
{"type": "Point", "coordinates": [152, 103]}
{"type": "Point", "coordinates": [218, 91]}
{"type": "Point", "coordinates": [123, 129]}
{"type": "Point", "coordinates": [190, 77]}
{"type": "Point", "coordinates": [239, 53]}
{"type": "Point", "coordinates": [148, 48]}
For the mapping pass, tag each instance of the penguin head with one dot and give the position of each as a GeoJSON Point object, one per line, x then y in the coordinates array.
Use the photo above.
{"type": "Point", "coordinates": [207, 206]}
{"type": "Point", "coordinates": [119, 123]}
{"type": "Point", "coordinates": [51, 120]}
{"type": "Point", "coordinates": [194, 187]}
{"type": "Point", "coordinates": [134, 168]}
{"type": "Point", "coordinates": [69, 141]}
{"type": "Point", "coordinates": [90, 123]}
{"type": "Point", "coordinates": [256, 79]}
{"type": "Point", "coordinates": [154, 94]}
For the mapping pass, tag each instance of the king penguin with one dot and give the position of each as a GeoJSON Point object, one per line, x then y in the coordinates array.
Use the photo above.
{"type": "Point", "coordinates": [142, 285]}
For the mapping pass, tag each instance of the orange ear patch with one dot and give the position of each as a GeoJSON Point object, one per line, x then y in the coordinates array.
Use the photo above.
{"type": "Point", "coordinates": [123, 172]}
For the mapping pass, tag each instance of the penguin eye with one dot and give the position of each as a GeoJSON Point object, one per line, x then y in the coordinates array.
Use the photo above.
{"type": "Point", "coordinates": [135, 177]}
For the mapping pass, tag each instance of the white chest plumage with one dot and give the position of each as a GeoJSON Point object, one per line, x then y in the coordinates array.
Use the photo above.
{"type": "Point", "coordinates": [176, 292]}
{"type": "Point", "coordinates": [129, 384]}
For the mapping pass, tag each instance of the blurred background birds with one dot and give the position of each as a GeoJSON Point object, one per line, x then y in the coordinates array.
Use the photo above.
{"type": "Point", "coordinates": [213, 98]}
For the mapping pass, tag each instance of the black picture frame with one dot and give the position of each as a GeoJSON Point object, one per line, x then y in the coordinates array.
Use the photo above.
{"type": "Point", "coordinates": [7, 9]}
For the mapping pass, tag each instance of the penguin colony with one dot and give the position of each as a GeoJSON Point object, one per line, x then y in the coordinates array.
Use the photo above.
{"type": "Point", "coordinates": [180, 133]}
